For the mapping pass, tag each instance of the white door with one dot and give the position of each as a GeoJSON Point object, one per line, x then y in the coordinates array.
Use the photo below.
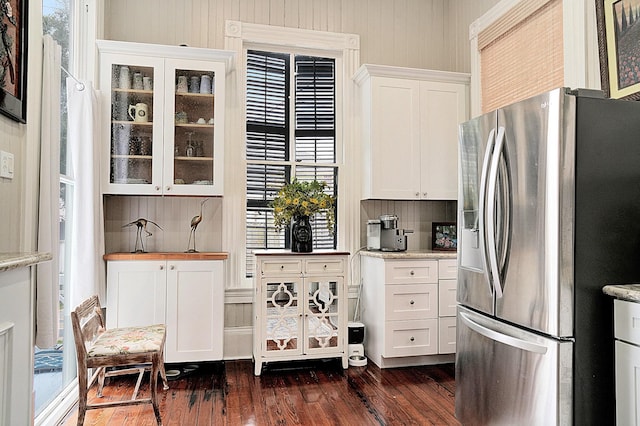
{"type": "Point", "coordinates": [136, 293]}
{"type": "Point", "coordinates": [395, 148]}
{"type": "Point", "coordinates": [195, 310]}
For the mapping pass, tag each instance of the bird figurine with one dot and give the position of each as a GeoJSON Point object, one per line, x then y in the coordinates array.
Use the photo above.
{"type": "Point", "coordinates": [142, 225]}
{"type": "Point", "coordinates": [195, 221]}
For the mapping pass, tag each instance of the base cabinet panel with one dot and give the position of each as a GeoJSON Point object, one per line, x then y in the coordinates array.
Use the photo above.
{"type": "Point", "coordinates": [186, 295]}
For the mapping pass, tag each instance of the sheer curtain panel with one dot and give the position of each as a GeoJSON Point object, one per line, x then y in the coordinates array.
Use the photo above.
{"type": "Point", "coordinates": [47, 285]}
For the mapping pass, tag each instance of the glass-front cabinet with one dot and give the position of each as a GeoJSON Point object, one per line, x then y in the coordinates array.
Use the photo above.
{"type": "Point", "coordinates": [164, 118]}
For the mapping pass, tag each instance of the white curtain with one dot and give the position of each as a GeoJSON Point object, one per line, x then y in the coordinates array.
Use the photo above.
{"type": "Point", "coordinates": [87, 275]}
{"type": "Point", "coordinates": [47, 281]}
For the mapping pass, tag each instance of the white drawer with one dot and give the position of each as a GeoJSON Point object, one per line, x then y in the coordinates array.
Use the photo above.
{"type": "Point", "coordinates": [410, 338]}
{"type": "Point", "coordinates": [282, 266]}
{"type": "Point", "coordinates": [627, 321]}
{"type": "Point", "coordinates": [448, 269]}
{"type": "Point", "coordinates": [325, 266]}
{"type": "Point", "coordinates": [411, 301]}
{"type": "Point", "coordinates": [411, 271]}
{"type": "Point", "coordinates": [447, 298]}
{"type": "Point", "coordinates": [447, 335]}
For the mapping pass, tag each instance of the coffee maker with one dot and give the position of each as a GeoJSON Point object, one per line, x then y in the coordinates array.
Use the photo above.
{"type": "Point", "coordinates": [392, 238]}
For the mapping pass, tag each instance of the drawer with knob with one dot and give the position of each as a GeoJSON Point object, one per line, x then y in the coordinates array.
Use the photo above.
{"type": "Point", "coordinates": [326, 266]}
{"type": "Point", "coordinates": [293, 266]}
{"type": "Point", "coordinates": [411, 271]}
{"type": "Point", "coordinates": [411, 338]}
{"type": "Point", "coordinates": [411, 301]}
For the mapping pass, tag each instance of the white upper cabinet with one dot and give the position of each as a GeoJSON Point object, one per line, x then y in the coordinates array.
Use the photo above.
{"type": "Point", "coordinates": [163, 118]}
{"type": "Point", "coordinates": [410, 121]}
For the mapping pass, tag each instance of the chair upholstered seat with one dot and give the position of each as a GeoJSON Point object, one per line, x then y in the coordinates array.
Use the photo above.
{"type": "Point", "coordinates": [127, 340]}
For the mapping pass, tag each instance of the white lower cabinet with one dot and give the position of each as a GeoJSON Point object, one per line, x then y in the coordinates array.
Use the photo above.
{"type": "Point", "coordinates": [300, 307]}
{"type": "Point", "coordinates": [627, 353]}
{"type": "Point", "coordinates": [186, 295]}
{"type": "Point", "coordinates": [408, 308]}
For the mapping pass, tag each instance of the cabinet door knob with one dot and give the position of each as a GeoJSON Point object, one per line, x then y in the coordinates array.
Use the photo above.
{"type": "Point", "coordinates": [417, 194]}
{"type": "Point", "coordinates": [411, 302]}
{"type": "Point", "coordinates": [172, 267]}
{"type": "Point", "coordinates": [424, 194]}
{"type": "Point", "coordinates": [412, 273]}
{"type": "Point", "coordinates": [412, 338]}
{"type": "Point", "coordinates": [157, 188]}
{"type": "Point", "coordinates": [281, 266]}
{"type": "Point", "coordinates": [168, 188]}
{"type": "Point", "coordinates": [161, 268]}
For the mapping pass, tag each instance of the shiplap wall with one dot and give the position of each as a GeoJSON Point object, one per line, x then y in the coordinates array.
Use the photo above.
{"type": "Point", "coordinates": [432, 34]}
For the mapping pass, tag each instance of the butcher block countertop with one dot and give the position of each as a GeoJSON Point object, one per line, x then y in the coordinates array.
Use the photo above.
{"type": "Point", "coordinates": [410, 254]}
{"type": "Point", "coordinates": [628, 292]}
{"type": "Point", "coordinates": [167, 256]}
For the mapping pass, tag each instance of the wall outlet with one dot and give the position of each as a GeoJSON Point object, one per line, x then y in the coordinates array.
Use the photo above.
{"type": "Point", "coordinates": [6, 165]}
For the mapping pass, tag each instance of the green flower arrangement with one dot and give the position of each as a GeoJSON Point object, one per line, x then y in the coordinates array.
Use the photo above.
{"type": "Point", "coordinates": [302, 198]}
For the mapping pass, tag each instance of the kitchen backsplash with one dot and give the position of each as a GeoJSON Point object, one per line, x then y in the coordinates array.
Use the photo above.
{"type": "Point", "coordinates": [173, 214]}
{"type": "Point", "coordinates": [415, 215]}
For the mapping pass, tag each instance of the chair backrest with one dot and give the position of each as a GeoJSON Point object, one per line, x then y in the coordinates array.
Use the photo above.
{"type": "Point", "coordinates": [87, 323]}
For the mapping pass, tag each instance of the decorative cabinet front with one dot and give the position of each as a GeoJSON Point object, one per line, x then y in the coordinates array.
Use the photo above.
{"type": "Point", "coordinates": [300, 307]}
{"type": "Point", "coordinates": [410, 131]}
{"type": "Point", "coordinates": [407, 310]}
{"type": "Point", "coordinates": [163, 126]}
{"type": "Point", "coordinates": [186, 295]}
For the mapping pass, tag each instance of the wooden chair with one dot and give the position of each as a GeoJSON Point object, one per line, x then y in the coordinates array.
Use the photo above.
{"type": "Point", "coordinates": [138, 349]}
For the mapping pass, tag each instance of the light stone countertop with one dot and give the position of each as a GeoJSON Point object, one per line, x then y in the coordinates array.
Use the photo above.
{"type": "Point", "coordinates": [410, 254]}
{"type": "Point", "coordinates": [18, 260]}
{"type": "Point", "coordinates": [628, 292]}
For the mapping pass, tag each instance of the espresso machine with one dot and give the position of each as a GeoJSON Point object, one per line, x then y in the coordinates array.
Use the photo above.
{"type": "Point", "coordinates": [384, 234]}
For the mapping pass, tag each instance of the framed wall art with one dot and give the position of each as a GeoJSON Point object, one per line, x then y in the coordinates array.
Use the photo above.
{"type": "Point", "coordinates": [619, 47]}
{"type": "Point", "coordinates": [444, 236]}
{"type": "Point", "coordinates": [13, 59]}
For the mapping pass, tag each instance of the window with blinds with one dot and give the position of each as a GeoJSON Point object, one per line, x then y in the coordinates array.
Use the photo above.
{"type": "Point", "coordinates": [291, 133]}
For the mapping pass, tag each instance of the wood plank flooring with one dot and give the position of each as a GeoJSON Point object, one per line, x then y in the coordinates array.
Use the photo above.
{"type": "Point", "coordinates": [289, 393]}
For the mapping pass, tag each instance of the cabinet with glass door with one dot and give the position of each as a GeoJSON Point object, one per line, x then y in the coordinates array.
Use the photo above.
{"type": "Point", "coordinates": [165, 126]}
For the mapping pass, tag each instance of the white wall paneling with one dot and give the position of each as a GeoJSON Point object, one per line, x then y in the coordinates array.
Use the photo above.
{"type": "Point", "coordinates": [430, 34]}
{"type": "Point", "coordinates": [173, 214]}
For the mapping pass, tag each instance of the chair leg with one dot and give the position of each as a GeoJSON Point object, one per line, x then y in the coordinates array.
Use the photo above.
{"type": "Point", "coordinates": [101, 374]}
{"type": "Point", "coordinates": [82, 395]}
{"type": "Point", "coordinates": [153, 383]}
{"type": "Point", "coordinates": [163, 375]}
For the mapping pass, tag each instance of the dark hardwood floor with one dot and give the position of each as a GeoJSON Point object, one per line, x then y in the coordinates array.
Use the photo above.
{"type": "Point", "coordinates": [289, 393]}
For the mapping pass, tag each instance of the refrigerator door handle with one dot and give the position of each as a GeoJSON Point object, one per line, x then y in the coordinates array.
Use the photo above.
{"type": "Point", "coordinates": [492, 248]}
{"type": "Point", "coordinates": [502, 338]}
{"type": "Point", "coordinates": [483, 202]}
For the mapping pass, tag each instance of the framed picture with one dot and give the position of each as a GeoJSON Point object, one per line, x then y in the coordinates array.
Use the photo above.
{"type": "Point", "coordinates": [13, 59]}
{"type": "Point", "coordinates": [444, 236]}
{"type": "Point", "coordinates": [619, 44]}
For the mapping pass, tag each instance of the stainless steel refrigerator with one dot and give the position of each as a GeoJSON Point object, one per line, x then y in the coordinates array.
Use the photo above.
{"type": "Point", "coordinates": [548, 213]}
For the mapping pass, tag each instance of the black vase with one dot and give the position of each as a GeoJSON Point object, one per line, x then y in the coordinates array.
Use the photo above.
{"type": "Point", "coordinates": [301, 235]}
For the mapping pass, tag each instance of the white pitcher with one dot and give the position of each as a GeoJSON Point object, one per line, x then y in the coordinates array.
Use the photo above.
{"type": "Point", "coordinates": [139, 112]}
